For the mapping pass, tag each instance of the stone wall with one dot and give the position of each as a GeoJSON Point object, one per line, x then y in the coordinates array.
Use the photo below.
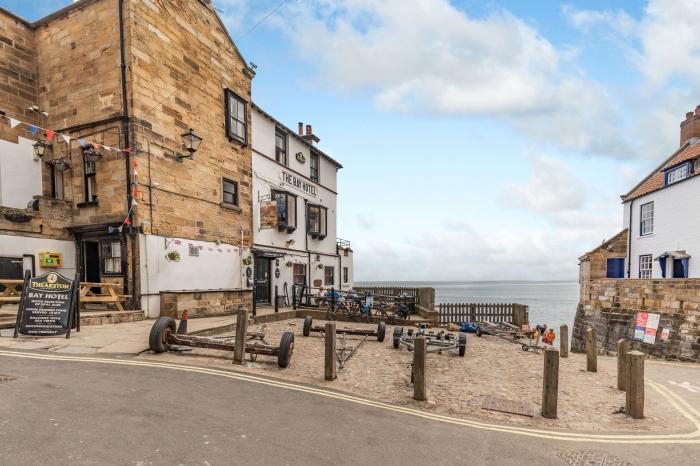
{"type": "Point", "coordinates": [203, 303]}
{"type": "Point", "coordinates": [612, 304]}
{"type": "Point", "coordinates": [18, 68]}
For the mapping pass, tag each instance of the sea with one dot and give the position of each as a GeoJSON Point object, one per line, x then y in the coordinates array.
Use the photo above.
{"type": "Point", "coordinates": [551, 302]}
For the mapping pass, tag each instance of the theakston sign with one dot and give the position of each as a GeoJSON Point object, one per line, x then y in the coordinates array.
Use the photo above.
{"type": "Point", "coordinates": [299, 183]}
{"type": "Point", "coordinates": [47, 305]}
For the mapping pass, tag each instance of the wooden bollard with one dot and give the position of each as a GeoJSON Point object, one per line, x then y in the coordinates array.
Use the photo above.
{"type": "Point", "coordinates": [241, 333]}
{"type": "Point", "coordinates": [623, 347]}
{"type": "Point", "coordinates": [419, 352]}
{"type": "Point", "coordinates": [591, 351]}
{"type": "Point", "coordinates": [331, 371]}
{"type": "Point", "coordinates": [564, 341]}
{"type": "Point", "coordinates": [550, 383]}
{"type": "Point", "coordinates": [634, 401]}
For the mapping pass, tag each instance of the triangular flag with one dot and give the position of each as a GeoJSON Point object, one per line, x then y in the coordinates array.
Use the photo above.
{"type": "Point", "coordinates": [14, 122]}
{"type": "Point", "coordinates": [66, 138]}
{"type": "Point", "coordinates": [50, 134]}
{"type": "Point", "coordinates": [97, 146]}
{"type": "Point", "coordinates": [33, 129]}
{"type": "Point", "coordinates": [127, 150]}
{"type": "Point", "coordinates": [81, 142]}
{"type": "Point", "coordinates": [127, 221]}
{"type": "Point", "coordinates": [136, 192]}
{"type": "Point", "coordinates": [136, 163]}
{"type": "Point", "coordinates": [136, 174]}
{"type": "Point", "coordinates": [133, 202]}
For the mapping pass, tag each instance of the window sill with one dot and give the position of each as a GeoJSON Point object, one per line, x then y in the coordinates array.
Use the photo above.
{"type": "Point", "coordinates": [646, 236]}
{"type": "Point", "coordinates": [235, 208]}
{"type": "Point", "coordinates": [88, 204]}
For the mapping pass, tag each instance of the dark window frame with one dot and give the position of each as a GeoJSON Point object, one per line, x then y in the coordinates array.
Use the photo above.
{"type": "Point", "coordinates": [326, 269]}
{"type": "Point", "coordinates": [285, 226]}
{"type": "Point", "coordinates": [230, 130]}
{"type": "Point", "coordinates": [323, 225]}
{"type": "Point", "coordinates": [346, 274]}
{"type": "Point", "coordinates": [314, 166]}
{"type": "Point", "coordinates": [688, 171]}
{"type": "Point", "coordinates": [224, 191]}
{"type": "Point", "coordinates": [53, 171]}
{"type": "Point", "coordinates": [120, 263]}
{"type": "Point", "coordinates": [89, 175]}
{"type": "Point", "coordinates": [282, 151]}
{"type": "Point", "coordinates": [296, 275]}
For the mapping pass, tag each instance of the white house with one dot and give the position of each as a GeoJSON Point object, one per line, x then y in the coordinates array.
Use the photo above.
{"type": "Point", "coordinates": [294, 212]}
{"type": "Point", "coordinates": [662, 214]}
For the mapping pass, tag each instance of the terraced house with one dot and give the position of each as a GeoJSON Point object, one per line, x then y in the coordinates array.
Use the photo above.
{"type": "Point", "coordinates": [125, 152]}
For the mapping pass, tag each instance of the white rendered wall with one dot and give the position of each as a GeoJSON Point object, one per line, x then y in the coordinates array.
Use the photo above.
{"type": "Point", "coordinates": [676, 227]}
{"type": "Point", "coordinates": [216, 267]}
{"type": "Point", "coordinates": [17, 246]}
{"type": "Point", "coordinates": [20, 173]}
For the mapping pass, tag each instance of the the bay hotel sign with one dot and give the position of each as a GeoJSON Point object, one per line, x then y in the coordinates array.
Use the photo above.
{"type": "Point", "coordinates": [299, 183]}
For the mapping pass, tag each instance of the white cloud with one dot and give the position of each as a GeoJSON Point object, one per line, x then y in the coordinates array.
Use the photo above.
{"type": "Point", "coordinates": [552, 188]}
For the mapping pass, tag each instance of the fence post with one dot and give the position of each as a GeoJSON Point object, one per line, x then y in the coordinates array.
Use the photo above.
{"type": "Point", "coordinates": [332, 299]}
{"type": "Point", "coordinates": [294, 297]}
{"type": "Point", "coordinates": [472, 312]}
{"type": "Point", "coordinates": [564, 341]}
{"type": "Point", "coordinates": [550, 383]}
{"type": "Point", "coordinates": [419, 368]}
{"type": "Point", "coordinates": [623, 348]}
{"type": "Point", "coordinates": [330, 363]}
{"type": "Point", "coordinates": [634, 400]}
{"type": "Point", "coordinates": [276, 300]}
{"type": "Point", "coordinates": [591, 351]}
{"type": "Point", "coordinates": [241, 333]}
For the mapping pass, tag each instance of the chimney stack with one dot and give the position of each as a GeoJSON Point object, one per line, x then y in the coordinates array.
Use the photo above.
{"type": "Point", "coordinates": [690, 127]}
{"type": "Point", "coordinates": [301, 128]}
{"type": "Point", "coordinates": [309, 136]}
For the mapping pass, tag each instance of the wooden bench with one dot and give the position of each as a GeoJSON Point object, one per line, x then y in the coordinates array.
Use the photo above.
{"type": "Point", "coordinates": [107, 294]}
{"type": "Point", "coordinates": [12, 291]}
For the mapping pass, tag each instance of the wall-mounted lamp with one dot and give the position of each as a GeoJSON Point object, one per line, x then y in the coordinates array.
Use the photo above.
{"type": "Point", "coordinates": [41, 147]}
{"type": "Point", "coordinates": [191, 142]}
{"type": "Point", "coordinates": [91, 153]}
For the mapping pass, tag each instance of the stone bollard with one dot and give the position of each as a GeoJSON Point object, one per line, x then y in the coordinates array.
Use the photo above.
{"type": "Point", "coordinates": [564, 341]}
{"type": "Point", "coordinates": [591, 351]}
{"type": "Point", "coordinates": [634, 401]}
{"type": "Point", "coordinates": [419, 353]}
{"type": "Point", "coordinates": [623, 347]}
{"type": "Point", "coordinates": [331, 372]}
{"type": "Point", "coordinates": [550, 383]}
{"type": "Point", "coordinates": [241, 333]}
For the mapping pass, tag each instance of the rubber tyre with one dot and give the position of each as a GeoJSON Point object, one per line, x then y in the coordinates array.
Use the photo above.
{"type": "Point", "coordinates": [410, 332]}
{"type": "Point", "coordinates": [478, 331]}
{"type": "Point", "coordinates": [308, 320]}
{"type": "Point", "coordinates": [286, 349]}
{"type": "Point", "coordinates": [398, 331]}
{"type": "Point", "coordinates": [158, 338]}
{"type": "Point", "coordinates": [525, 348]}
{"type": "Point", "coordinates": [381, 331]}
{"type": "Point", "coordinates": [462, 344]}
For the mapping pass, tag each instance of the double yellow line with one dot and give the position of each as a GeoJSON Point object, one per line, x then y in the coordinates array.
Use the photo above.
{"type": "Point", "coordinates": [687, 411]}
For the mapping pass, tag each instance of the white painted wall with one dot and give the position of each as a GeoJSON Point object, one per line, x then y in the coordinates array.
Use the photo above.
{"type": "Point", "coordinates": [216, 267]}
{"type": "Point", "coordinates": [17, 246]}
{"type": "Point", "coordinates": [20, 173]}
{"type": "Point", "coordinates": [676, 226]}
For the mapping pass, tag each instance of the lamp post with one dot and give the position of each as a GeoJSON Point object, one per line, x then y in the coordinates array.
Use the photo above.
{"type": "Point", "coordinates": [190, 142]}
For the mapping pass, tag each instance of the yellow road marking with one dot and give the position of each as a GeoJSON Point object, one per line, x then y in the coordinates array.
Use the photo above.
{"type": "Point", "coordinates": [676, 401]}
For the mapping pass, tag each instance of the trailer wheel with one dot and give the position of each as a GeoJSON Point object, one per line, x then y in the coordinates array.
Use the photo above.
{"type": "Point", "coordinates": [462, 344]}
{"type": "Point", "coordinates": [308, 320]}
{"type": "Point", "coordinates": [158, 339]}
{"type": "Point", "coordinates": [478, 331]}
{"type": "Point", "coordinates": [525, 348]}
{"type": "Point", "coordinates": [398, 331]}
{"type": "Point", "coordinates": [286, 349]}
{"type": "Point", "coordinates": [381, 331]}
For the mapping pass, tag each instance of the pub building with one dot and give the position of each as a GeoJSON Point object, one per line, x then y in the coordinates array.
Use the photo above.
{"type": "Point", "coordinates": [294, 213]}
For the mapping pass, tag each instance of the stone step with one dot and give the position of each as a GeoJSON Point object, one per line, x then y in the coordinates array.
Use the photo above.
{"type": "Point", "coordinates": [90, 318]}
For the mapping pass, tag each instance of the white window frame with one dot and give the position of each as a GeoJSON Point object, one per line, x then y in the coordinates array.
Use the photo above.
{"type": "Point", "coordinates": [646, 219]}
{"type": "Point", "coordinates": [646, 265]}
{"type": "Point", "coordinates": [677, 174]}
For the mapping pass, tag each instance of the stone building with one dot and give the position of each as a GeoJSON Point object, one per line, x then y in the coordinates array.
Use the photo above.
{"type": "Point", "coordinates": [647, 271]}
{"type": "Point", "coordinates": [117, 196]}
{"type": "Point", "coordinates": [295, 193]}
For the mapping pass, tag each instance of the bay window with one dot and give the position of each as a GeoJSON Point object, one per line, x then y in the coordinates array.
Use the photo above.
{"type": "Point", "coordinates": [317, 217]}
{"type": "Point", "coordinates": [286, 210]}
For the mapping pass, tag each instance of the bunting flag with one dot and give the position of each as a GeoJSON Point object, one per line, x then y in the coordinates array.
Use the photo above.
{"type": "Point", "coordinates": [127, 221]}
{"type": "Point", "coordinates": [50, 135]}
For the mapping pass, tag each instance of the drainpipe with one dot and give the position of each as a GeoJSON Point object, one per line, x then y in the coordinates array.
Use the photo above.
{"type": "Point", "coordinates": [306, 242]}
{"type": "Point", "coordinates": [629, 241]}
{"type": "Point", "coordinates": [127, 158]}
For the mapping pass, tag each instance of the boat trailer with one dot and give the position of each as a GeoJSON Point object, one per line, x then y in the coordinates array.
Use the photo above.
{"type": "Point", "coordinates": [436, 342]}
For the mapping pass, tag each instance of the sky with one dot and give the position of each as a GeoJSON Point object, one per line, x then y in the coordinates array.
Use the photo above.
{"type": "Point", "coordinates": [480, 140]}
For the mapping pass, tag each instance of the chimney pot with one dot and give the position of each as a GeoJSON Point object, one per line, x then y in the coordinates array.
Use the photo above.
{"type": "Point", "coordinates": [301, 128]}
{"type": "Point", "coordinates": [309, 132]}
{"type": "Point", "coordinates": [689, 115]}
{"type": "Point", "coordinates": [697, 110]}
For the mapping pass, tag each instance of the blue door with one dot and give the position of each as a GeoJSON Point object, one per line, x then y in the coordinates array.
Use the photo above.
{"type": "Point", "coordinates": [616, 268]}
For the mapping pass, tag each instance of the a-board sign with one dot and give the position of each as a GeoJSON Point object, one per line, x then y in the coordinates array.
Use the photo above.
{"type": "Point", "coordinates": [47, 307]}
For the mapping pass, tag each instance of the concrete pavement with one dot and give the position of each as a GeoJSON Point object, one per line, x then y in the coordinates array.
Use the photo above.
{"type": "Point", "coordinates": [68, 410]}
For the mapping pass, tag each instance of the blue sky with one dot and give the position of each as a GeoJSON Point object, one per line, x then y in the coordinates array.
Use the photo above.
{"type": "Point", "coordinates": [481, 140]}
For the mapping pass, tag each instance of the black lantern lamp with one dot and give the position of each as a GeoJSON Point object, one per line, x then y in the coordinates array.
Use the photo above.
{"type": "Point", "coordinates": [40, 148]}
{"type": "Point", "coordinates": [190, 142]}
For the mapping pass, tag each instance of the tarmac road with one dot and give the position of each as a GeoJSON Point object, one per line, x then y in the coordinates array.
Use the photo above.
{"type": "Point", "coordinates": [70, 410]}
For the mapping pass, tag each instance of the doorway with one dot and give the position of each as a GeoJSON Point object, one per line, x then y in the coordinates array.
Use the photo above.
{"type": "Point", "coordinates": [262, 280]}
{"type": "Point", "coordinates": [91, 255]}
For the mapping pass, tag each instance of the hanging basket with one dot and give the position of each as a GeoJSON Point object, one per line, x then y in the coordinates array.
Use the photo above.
{"type": "Point", "coordinates": [61, 164]}
{"type": "Point", "coordinates": [320, 266]}
{"type": "Point", "coordinates": [173, 256]}
{"type": "Point", "coordinates": [248, 260]}
{"type": "Point", "coordinates": [17, 217]}
{"type": "Point", "coordinates": [289, 264]}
